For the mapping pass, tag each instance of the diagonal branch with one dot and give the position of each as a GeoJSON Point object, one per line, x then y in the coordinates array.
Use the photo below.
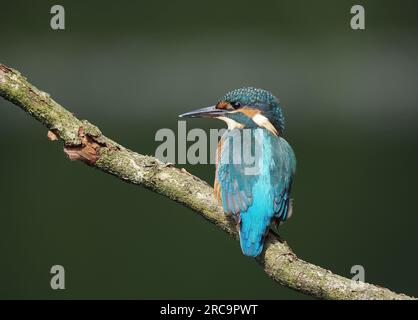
{"type": "Point", "coordinates": [84, 141]}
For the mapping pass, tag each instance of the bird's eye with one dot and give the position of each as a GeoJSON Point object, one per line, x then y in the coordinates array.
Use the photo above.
{"type": "Point", "coordinates": [236, 105]}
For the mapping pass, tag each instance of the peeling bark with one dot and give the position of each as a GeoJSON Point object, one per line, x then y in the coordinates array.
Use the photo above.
{"type": "Point", "coordinates": [83, 141]}
{"type": "Point", "coordinates": [87, 151]}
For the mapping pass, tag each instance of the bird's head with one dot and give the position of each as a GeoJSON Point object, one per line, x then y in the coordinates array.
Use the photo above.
{"type": "Point", "coordinates": [245, 108]}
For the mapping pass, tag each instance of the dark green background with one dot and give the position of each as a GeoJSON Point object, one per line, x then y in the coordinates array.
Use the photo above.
{"type": "Point", "coordinates": [129, 67]}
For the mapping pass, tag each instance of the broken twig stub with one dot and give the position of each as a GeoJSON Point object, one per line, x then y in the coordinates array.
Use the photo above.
{"type": "Point", "coordinates": [87, 151]}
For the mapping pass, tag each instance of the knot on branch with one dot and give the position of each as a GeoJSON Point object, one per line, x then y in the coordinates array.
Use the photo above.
{"type": "Point", "coordinates": [87, 150]}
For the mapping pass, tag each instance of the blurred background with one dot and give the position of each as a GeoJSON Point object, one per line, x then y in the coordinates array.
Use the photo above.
{"type": "Point", "coordinates": [351, 104]}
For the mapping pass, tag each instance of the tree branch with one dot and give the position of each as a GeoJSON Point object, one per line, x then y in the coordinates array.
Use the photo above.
{"type": "Point", "coordinates": [84, 141]}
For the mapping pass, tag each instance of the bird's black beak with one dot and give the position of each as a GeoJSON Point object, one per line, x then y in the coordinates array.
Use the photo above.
{"type": "Point", "coordinates": [209, 112]}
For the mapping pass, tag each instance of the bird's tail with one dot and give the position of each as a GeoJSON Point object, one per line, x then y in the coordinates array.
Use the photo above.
{"type": "Point", "coordinates": [252, 231]}
{"type": "Point", "coordinates": [250, 248]}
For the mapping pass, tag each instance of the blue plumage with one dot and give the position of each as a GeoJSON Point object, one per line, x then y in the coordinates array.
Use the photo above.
{"type": "Point", "coordinates": [255, 164]}
{"type": "Point", "coordinates": [254, 192]}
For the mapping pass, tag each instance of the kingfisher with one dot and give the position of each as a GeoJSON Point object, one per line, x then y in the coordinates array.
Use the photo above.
{"type": "Point", "coordinates": [255, 165]}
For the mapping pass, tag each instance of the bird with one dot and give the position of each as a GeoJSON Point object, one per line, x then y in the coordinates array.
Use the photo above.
{"type": "Point", "coordinates": [255, 193]}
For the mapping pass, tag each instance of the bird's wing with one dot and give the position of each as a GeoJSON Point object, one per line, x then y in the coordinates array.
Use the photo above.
{"type": "Point", "coordinates": [282, 170]}
{"type": "Point", "coordinates": [232, 185]}
{"type": "Point", "coordinates": [235, 180]}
